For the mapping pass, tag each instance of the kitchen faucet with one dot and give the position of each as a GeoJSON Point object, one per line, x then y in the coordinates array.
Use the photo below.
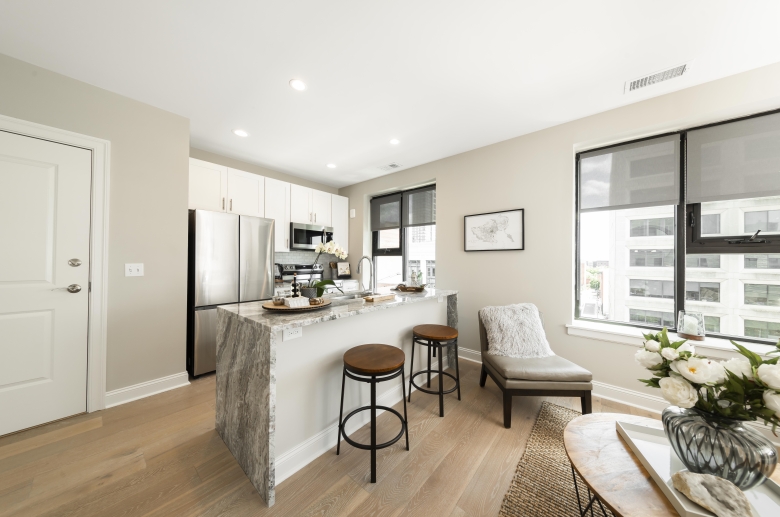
{"type": "Point", "coordinates": [370, 271]}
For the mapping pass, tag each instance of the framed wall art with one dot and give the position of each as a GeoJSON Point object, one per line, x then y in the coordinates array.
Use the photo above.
{"type": "Point", "coordinates": [494, 231]}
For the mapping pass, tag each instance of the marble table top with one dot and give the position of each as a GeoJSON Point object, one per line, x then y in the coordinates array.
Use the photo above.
{"type": "Point", "coordinates": [274, 322]}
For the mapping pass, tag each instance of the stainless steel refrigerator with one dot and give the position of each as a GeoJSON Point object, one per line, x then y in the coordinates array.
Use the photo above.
{"type": "Point", "coordinates": [231, 260]}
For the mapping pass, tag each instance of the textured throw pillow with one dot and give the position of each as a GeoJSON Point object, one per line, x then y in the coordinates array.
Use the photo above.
{"type": "Point", "coordinates": [515, 331]}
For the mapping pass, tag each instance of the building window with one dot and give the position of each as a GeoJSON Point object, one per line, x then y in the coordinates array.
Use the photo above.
{"type": "Point", "coordinates": [656, 318]}
{"type": "Point", "coordinates": [762, 329]}
{"type": "Point", "coordinates": [430, 266]}
{"type": "Point", "coordinates": [710, 224]}
{"type": "Point", "coordinates": [762, 294]}
{"type": "Point", "coordinates": [651, 258]}
{"type": "Point", "coordinates": [765, 261]}
{"type": "Point", "coordinates": [766, 221]}
{"type": "Point", "coordinates": [652, 227]}
{"type": "Point", "coordinates": [702, 291]}
{"type": "Point", "coordinates": [708, 261]}
{"type": "Point", "coordinates": [652, 288]}
{"type": "Point", "coordinates": [712, 324]}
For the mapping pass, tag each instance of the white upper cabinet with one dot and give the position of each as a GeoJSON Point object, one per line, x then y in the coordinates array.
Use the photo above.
{"type": "Point", "coordinates": [321, 207]}
{"type": "Point", "coordinates": [208, 186]}
{"type": "Point", "coordinates": [340, 220]}
{"type": "Point", "coordinates": [277, 207]}
{"type": "Point", "coordinates": [245, 193]}
{"type": "Point", "coordinates": [300, 205]}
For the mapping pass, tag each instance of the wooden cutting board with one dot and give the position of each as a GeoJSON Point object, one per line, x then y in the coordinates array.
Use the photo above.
{"type": "Point", "coordinates": [379, 297]}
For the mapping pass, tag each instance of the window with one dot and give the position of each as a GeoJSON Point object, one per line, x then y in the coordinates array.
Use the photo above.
{"type": "Point", "coordinates": [766, 221]}
{"type": "Point", "coordinates": [762, 329]}
{"type": "Point", "coordinates": [652, 227]}
{"type": "Point", "coordinates": [710, 224]}
{"type": "Point", "coordinates": [702, 291]}
{"type": "Point", "coordinates": [389, 239]}
{"type": "Point", "coordinates": [656, 318]}
{"type": "Point", "coordinates": [712, 324]}
{"type": "Point", "coordinates": [762, 294]}
{"type": "Point", "coordinates": [652, 258]}
{"type": "Point", "coordinates": [702, 261]}
{"type": "Point", "coordinates": [430, 266]}
{"type": "Point", "coordinates": [765, 261]}
{"type": "Point", "coordinates": [652, 288]}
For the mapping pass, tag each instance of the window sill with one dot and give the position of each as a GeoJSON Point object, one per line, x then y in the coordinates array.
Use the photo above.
{"type": "Point", "coordinates": [628, 335]}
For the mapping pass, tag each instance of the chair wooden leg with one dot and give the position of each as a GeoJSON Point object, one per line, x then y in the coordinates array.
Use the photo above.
{"type": "Point", "coordinates": [587, 405]}
{"type": "Point", "coordinates": [507, 410]}
{"type": "Point", "coordinates": [482, 377]}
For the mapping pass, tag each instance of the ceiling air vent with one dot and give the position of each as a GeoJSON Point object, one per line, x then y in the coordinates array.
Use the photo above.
{"type": "Point", "coordinates": [656, 78]}
{"type": "Point", "coordinates": [390, 167]}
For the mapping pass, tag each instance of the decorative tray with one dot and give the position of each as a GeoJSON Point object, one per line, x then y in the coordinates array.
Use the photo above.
{"type": "Point", "coordinates": [269, 306]}
{"type": "Point", "coordinates": [406, 289]}
{"type": "Point", "coordinates": [652, 448]}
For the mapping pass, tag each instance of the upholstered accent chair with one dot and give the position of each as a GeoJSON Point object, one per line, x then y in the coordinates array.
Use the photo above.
{"type": "Point", "coordinates": [537, 377]}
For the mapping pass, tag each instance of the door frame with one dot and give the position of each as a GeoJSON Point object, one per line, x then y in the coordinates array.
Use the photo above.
{"type": "Point", "coordinates": [98, 244]}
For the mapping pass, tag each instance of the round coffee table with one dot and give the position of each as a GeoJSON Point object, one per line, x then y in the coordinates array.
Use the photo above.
{"type": "Point", "coordinates": [610, 469]}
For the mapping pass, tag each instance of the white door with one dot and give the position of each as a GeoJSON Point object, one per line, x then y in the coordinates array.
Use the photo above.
{"type": "Point", "coordinates": [340, 220]}
{"type": "Point", "coordinates": [320, 205]}
{"type": "Point", "coordinates": [44, 248]}
{"type": "Point", "coordinates": [208, 186]}
{"type": "Point", "coordinates": [245, 193]}
{"type": "Point", "coordinates": [300, 205]}
{"type": "Point", "coordinates": [277, 207]}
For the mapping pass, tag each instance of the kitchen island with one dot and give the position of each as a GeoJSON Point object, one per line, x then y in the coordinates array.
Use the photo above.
{"type": "Point", "coordinates": [278, 400]}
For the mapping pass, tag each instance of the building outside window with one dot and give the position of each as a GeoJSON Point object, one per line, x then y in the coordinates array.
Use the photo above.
{"type": "Point", "coordinates": [652, 317]}
{"type": "Point", "coordinates": [762, 329]}
{"type": "Point", "coordinates": [710, 224]}
{"type": "Point", "coordinates": [703, 261]}
{"type": "Point", "coordinates": [765, 261]}
{"type": "Point", "coordinates": [652, 227]}
{"type": "Point", "coordinates": [712, 324]}
{"type": "Point", "coordinates": [758, 294]}
{"type": "Point", "coordinates": [652, 258]}
{"type": "Point", "coordinates": [652, 288]}
{"type": "Point", "coordinates": [766, 221]}
{"type": "Point", "coordinates": [702, 291]}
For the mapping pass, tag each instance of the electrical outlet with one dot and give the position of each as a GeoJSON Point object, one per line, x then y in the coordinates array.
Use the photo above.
{"type": "Point", "coordinates": [289, 334]}
{"type": "Point", "coordinates": [134, 270]}
{"type": "Point", "coordinates": [351, 213]}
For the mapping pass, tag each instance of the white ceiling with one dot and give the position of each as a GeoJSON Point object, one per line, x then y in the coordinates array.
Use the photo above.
{"type": "Point", "coordinates": [442, 76]}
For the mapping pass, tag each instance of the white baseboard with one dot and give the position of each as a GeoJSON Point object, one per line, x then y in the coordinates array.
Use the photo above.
{"type": "Point", "coordinates": [146, 389]}
{"type": "Point", "coordinates": [470, 355]}
{"type": "Point", "coordinates": [304, 453]}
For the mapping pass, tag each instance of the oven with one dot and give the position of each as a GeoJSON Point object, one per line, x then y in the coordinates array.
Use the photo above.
{"type": "Point", "coordinates": [307, 236]}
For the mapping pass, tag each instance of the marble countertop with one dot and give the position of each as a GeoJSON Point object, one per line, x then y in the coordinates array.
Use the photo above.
{"type": "Point", "coordinates": [274, 322]}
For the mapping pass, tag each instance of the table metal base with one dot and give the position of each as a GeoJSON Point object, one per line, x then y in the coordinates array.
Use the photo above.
{"type": "Point", "coordinates": [592, 498]}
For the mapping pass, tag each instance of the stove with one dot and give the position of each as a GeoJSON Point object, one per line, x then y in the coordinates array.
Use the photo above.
{"type": "Point", "coordinates": [284, 272]}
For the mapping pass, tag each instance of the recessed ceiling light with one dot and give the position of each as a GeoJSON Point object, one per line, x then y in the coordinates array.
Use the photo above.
{"type": "Point", "coordinates": [240, 132]}
{"type": "Point", "coordinates": [331, 166]}
{"type": "Point", "coordinates": [395, 141]}
{"type": "Point", "coordinates": [297, 84]}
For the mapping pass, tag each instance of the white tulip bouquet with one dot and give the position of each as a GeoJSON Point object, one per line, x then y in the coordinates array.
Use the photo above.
{"type": "Point", "coordinates": [743, 388]}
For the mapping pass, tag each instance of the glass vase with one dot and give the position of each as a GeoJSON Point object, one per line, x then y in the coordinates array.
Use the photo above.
{"type": "Point", "coordinates": [711, 444]}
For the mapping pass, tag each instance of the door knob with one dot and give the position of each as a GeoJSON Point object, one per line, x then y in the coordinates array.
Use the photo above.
{"type": "Point", "coordinates": [73, 288]}
{"type": "Point", "coordinates": [74, 262]}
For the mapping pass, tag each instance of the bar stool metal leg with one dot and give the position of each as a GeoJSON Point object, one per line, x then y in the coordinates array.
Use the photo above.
{"type": "Point", "coordinates": [429, 364]}
{"type": "Point", "coordinates": [441, 384]}
{"type": "Point", "coordinates": [373, 428]}
{"type": "Point", "coordinates": [411, 371]}
{"type": "Point", "coordinates": [406, 420]}
{"type": "Point", "coordinates": [457, 369]}
{"type": "Point", "coordinates": [341, 409]}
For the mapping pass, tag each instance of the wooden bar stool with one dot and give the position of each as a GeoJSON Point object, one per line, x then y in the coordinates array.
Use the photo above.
{"type": "Point", "coordinates": [373, 364]}
{"type": "Point", "coordinates": [435, 337]}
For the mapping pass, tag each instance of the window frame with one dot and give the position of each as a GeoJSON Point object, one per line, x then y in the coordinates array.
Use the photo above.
{"type": "Point", "coordinates": [688, 239]}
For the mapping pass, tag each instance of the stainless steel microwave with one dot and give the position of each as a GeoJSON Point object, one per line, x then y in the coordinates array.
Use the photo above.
{"type": "Point", "coordinates": [307, 236]}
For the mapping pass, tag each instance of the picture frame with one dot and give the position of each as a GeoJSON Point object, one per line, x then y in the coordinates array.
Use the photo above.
{"type": "Point", "coordinates": [342, 270]}
{"type": "Point", "coordinates": [495, 231]}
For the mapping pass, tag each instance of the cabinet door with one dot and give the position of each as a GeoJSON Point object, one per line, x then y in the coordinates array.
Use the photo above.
{"type": "Point", "coordinates": [321, 206]}
{"type": "Point", "coordinates": [208, 186]}
{"type": "Point", "coordinates": [245, 193]}
{"type": "Point", "coordinates": [277, 207]}
{"type": "Point", "coordinates": [340, 220]}
{"type": "Point", "coordinates": [300, 205]}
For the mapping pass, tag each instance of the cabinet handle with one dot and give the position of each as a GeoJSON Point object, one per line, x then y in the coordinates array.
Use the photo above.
{"type": "Point", "coordinates": [223, 203]}
{"type": "Point", "coordinates": [287, 243]}
{"type": "Point", "coordinates": [315, 217]}
{"type": "Point", "coordinates": [231, 205]}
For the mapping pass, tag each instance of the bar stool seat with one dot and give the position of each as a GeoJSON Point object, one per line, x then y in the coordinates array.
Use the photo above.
{"type": "Point", "coordinates": [372, 364]}
{"type": "Point", "coordinates": [435, 337]}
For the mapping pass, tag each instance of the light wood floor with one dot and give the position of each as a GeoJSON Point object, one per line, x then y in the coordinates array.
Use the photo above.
{"type": "Point", "coordinates": [161, 456]}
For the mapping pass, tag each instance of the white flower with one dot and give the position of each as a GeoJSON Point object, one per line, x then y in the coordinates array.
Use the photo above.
{"type": "Point", "coordinates": [320, 248]}
{"type": "Point", "coordinates": [647, 359]}
{"type": "Point", "coordinates": [700, 371]}
{"type": "Point", "coordinates": [670, 353]}
{"type": "Point", "coordinates": [653, 346]}
{"type": "Point", "coordinates": [770, 375]}
{"type": "Point", "coordinates": [772, 401]}
{"type": "Point", "coordinates": [686, 347]}
{"type": "Point", "coordinates": [739, 366]}
{"type": "Point", "coordinates": [678, 392]}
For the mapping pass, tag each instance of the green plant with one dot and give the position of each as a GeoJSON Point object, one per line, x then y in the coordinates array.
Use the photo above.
{"type": "Point", "coordinates": [320, 286]}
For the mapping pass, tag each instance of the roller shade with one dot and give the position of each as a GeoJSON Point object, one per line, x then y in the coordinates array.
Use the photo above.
{"type": "Point", "coordinates": [420, 207]}
{"type": "Point", "coordinates": [634, 175]}
{"type": "Point", "coordinates": [738, 160]}
{"type": "Point", "coordinates": [386, 212]}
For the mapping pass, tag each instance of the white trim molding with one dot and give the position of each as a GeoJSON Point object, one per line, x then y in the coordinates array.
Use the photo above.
{"type": "Point", "coordinates": [146, 389]}
{"type": "Point", "coordinates": [470, 355]}
{"type": "Point", "coordinates": [98, 308]}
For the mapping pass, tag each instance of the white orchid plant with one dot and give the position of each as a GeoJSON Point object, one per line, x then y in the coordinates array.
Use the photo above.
{"type": "Point", "coordinates": [742, 388]}
{"type": "Point", "coordinates": [330, 248]}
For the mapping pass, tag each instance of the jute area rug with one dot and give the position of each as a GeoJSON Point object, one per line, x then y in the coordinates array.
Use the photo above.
{"type": "Point", "coordinates": [543, 485]}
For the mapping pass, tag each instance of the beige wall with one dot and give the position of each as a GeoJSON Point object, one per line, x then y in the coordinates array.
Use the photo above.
{"type": "Point", "coordinates": [536, 172]}
{"type": "Point", "coordinates": [257, 169]}
{"type": "Point", "coordinates": [148, 211]}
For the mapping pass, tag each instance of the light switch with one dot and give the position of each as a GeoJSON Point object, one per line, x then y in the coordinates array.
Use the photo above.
{"type": "Point", "coordinates": [134, 270]}
{"type": "Point", "coordinates": [351, 213]}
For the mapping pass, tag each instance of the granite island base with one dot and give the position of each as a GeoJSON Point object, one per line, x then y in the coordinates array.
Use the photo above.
{"type": "Point", "coordinates": [277, 401]}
